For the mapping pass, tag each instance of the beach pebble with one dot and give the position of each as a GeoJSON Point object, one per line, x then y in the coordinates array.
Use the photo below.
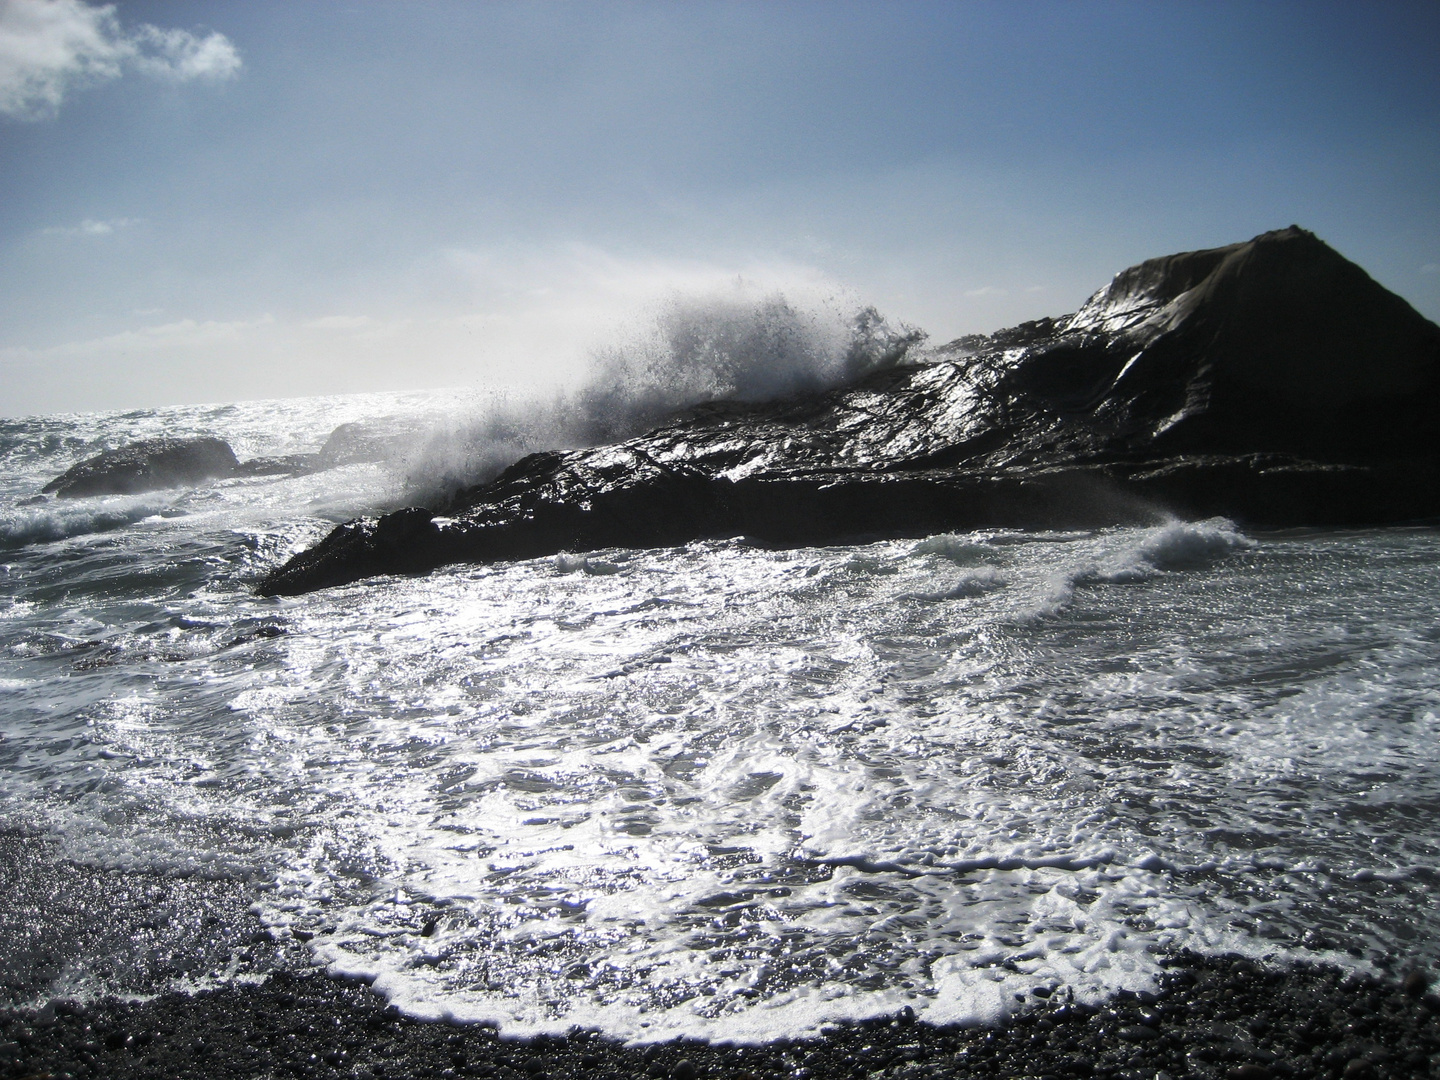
{"type": "Point", "coordinates": [334, 1028]}
{"type": "Point", "coordinates": [1138, 1033]}
{"type": "Point", "coordinates": [1416, 983]}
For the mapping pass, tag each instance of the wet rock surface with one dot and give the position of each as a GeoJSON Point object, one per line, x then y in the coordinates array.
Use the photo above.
{"type": "Point", "coordinates": [147, 465]}
{"type": "Point", "coordinates": [1273, 382]}
{"type": "Point", "coordinates": [1212, 1018]}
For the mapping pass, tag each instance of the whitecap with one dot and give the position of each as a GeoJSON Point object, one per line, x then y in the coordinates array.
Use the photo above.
{"type": "Point", "coordinates": [26, 525]}
{"type": "Point", "coordinates": [976, 583]}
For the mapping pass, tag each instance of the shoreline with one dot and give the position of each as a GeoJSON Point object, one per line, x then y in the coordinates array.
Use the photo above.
{"type": "Point", "coordinates": [274, 1014]}
{"type": "Point", "coordinates": [1214, 1017]}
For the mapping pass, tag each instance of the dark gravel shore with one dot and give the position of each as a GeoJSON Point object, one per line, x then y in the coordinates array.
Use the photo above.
{"type": "Point", "coordinates": [1213, 1018]}
{"type": "Point", "coordinates": [62, 923]}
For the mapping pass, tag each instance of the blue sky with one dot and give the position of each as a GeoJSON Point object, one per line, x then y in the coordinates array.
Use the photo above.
{"type": "Point", "coordinates": [207, 201]}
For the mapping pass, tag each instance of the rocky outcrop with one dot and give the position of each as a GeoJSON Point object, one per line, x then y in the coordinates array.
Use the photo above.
{"type": "Point", "coordinates": [147, 465]}
{"type": "Point", "coordinates": [153, 464]}
{"type": "Point", "coordinates": [1271, 381]}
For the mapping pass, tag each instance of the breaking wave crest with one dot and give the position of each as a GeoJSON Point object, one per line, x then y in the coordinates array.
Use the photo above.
{"type": "Point", "coordinates": [1175, 546]}
{"type": "Point", "coordinates": [42, 524]}
{"type": "Point", "coordinates": [733, 346]}
{"type": "Point", "coordinates": [960, 550]}
{"type": "Point", "coordinates": [1185, 545]}
{"type": "Point", "coordinates": [967, 586]}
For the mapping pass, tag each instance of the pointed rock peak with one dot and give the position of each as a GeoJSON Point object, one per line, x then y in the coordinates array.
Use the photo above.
{"type": "Point", "coordinates": [1138, 293]}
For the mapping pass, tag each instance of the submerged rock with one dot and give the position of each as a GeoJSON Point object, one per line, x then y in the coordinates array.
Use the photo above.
{"type": "Point", "coordinates": [289, 465]}
{"type": "Point", "coordinates": [1271, 381]}
{"type": "Point", "coordinates": [148, 465]}
{"type": "Point", "coordinates": [365, 441]}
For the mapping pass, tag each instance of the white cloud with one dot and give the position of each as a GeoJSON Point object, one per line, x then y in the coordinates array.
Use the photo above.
{"type": "Point", "coordinates": [91, 227]}
{"type": "Point", "coordinates": [180, 56]}
{"type": "Point", "coordinates": [49, 48]}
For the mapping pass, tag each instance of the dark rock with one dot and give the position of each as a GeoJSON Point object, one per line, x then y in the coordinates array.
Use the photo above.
{"type": "Point", "coordinates": [148, 465]}
{"type": "Point", "coordinates": [1138, 1033]}
{"type": "Point", "coordinates": [402, 542]}
{"type": "Point", "coordinates": [290, 465]}
{"type": "Point", "coordinates": [1416, 983]}
{"type": "Point", "coordinates": [1270, 381]}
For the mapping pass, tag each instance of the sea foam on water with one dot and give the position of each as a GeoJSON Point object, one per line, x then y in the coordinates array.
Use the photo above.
{"type": "Point", "coordinates": [719, 790]}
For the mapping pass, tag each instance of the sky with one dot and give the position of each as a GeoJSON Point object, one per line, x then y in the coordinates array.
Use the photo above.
{"type": "Point", "coordinates": [214, 200]}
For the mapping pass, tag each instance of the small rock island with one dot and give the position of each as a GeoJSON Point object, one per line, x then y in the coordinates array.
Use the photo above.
{"type": "Point", "coordinates": [147, 465]}
{"type": "Point", "coordinates": [1271, 381]}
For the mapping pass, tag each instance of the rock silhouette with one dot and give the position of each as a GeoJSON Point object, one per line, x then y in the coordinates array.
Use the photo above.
{"type": "Point", "coordinates": [147, 465]}
{"type": "Point", "coordinates": [171, 462]}
{"type": "Point", "coordinates": [1271, 381]}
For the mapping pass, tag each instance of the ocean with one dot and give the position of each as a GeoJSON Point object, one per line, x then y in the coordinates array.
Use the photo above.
{"type": "Point", "coordinates": [718, 790]}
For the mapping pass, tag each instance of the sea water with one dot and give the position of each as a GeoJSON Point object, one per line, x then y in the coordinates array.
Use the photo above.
{"type": "Point", "coordinates": [719, 790]}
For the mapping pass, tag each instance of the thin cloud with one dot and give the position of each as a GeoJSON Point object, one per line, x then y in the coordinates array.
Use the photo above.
{"type": "Point", "coordinates": [342, 322]}
{"type": "Point", "coordinates": [184, 333]}
{"type": "Point", "coordinates": [986, 291]}
{"type": "Point", "coordinates": [91, 227]}
{"type": "Point", "coordinates": [50, 48]}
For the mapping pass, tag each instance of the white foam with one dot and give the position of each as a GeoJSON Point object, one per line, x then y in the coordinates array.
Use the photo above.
{"type": "Point", "coordinates": [962, 550]}
{"type": "Point", "coordinates": [1130, 557]}
{"type": "Point", "coordinates": [969, 585]}
{"type": "Point", "coordinates": [737, 793]}
{"type": "Point", "coordinates": [58, 520]}
{"type": "Point", "coordinates": [1183, 545]}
